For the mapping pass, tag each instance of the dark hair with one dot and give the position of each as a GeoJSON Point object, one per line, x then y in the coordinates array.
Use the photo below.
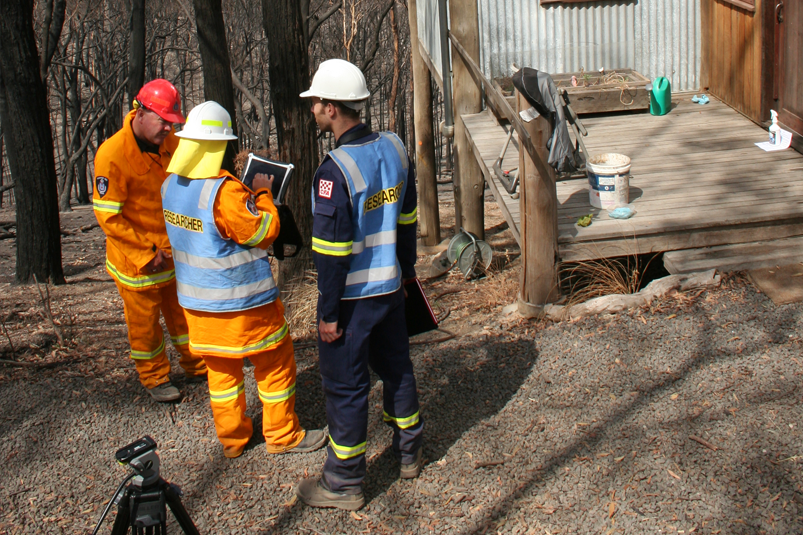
{"type": "Point", "coordinates": [344, 110]}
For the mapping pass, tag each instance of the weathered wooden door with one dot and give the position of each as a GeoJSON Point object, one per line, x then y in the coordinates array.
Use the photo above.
{"type": "Point", "coordinates": [789, 63]}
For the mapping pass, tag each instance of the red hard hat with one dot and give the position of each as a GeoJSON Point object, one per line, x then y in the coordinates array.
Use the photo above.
{"type": "Point", "coordinates": [161, 97]}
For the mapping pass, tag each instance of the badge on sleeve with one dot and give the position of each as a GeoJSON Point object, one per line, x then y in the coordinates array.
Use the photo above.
{"type": "Point", "coordinates": [102, 184]}
{"type": "Point", "coordinates": [252, 207]}
{"type": "Point", "coordinates": [325, 189]}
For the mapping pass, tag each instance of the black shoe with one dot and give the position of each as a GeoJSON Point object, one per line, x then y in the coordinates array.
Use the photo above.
{"type": "Point", "coordinates": [311, 492]}
{"type": "Point", "coordinates": [411, 471]}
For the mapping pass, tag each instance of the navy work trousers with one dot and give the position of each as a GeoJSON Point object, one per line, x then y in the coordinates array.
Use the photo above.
{"type": "Point", "coordinates": [375, 335]}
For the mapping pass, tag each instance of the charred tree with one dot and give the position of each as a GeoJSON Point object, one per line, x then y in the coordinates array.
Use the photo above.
{"type": "Point", "coordinates": [216, 65]}
{"type": "Point", "coordinates": [30, 149]}
{"type": "Point", "coordinates": [136, 51]}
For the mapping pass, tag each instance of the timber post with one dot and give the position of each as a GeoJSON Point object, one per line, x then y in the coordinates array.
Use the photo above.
{"type": "Point", "coordinates": [469, 183]}
{"type": "Point", "coordinates": [539, 284]}
{"type": "Point", "coordinates": [429, 217]}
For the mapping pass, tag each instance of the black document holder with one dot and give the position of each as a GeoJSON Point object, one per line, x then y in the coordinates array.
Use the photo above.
{"type": "Point", "coordinates": [420, 317]}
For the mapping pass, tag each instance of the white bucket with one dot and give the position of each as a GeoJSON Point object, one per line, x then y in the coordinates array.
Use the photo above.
{"type": "Point", "coordinates": [608, 180]}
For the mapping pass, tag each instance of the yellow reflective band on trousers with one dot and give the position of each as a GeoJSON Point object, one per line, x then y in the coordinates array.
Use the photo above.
{"type": "Point", "coordinates": [230, 394]}
{"type": "Point", "coordinates": [347, 452]}
{"type": "Point", "coordinates": [140, 281]}
{"type": "Point", "coordinates": [409, 219]}
{"type": "Point", "coordinates": [110, 207]}
{"type": "Point", "coordinates": [147, 355]}
{"type": "Point", "coordinates": [262, 345]}
{"type": "Point", "coordinates": [331, 248]}
{"type": "Point", "coordinates": [261, 232]}
{"type": "Point", "coordinates": [180, 340]}
{"type": "Point", "coordinates": [401, 423]}
{"type": "Point", "coordinates": [277, 397]}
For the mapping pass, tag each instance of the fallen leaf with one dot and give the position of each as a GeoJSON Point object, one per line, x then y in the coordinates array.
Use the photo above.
{"type": "Point", "coordinates": [671, 316]}
{"type": "Point", "coordinates": [642, 320]}
{"type": "Point", "coordinates": [355, 516]}
{"type": "Point", "coordinates": [673, 474]}
{"type": "Point", "coordinates": [611, 509]}
{"type": "Point", "coordinates": [673, 397]}
{"type": "Point", "coordinates": [619, 459]}
{"type": "Point", "coordinates": [292, 501]}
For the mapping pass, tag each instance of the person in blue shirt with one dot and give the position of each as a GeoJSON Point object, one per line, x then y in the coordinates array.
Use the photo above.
{"type": "Point", "coordinates": [364, 246]}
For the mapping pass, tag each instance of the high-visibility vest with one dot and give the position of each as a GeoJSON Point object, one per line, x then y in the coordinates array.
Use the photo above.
{"type": "Point", "coordinates": [213, 274]}
{"type": "Point", "coordinates": [376, 174]}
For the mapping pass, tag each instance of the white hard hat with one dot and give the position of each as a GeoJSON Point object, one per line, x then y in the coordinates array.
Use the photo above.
{"type": "Point", "coordinates": [208, 121]}
{"type": "Point", "coordinates": [337, 79]}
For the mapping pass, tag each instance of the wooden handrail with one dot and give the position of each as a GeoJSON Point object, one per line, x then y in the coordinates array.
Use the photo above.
{"type": "Point", "coordinates": [500, 104]}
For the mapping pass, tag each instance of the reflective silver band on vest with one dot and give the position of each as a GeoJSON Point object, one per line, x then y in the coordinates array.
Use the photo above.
{"type": "Point", "coordinates": [206, 192]}
{"type": "Point", "coordinates": [352, 169]}
{"type": "Point", "coordinates": [399, 148]}
{"type": "Point", "coordinates": [223, 294]}
{"type": "Point", "coordinates": [226, 262]}
{"type": "Point", "coordinates": [386, 237]}
{"type": "Point", "coordinates": [371, 275]}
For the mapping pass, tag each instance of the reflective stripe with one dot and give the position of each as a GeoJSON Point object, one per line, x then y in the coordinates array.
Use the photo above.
{"type": "Point", "coordinates": [206, 191]}
{"type": "Point", "coordinates": [351, 167]}
{"type": "Point", "coordinates": [331, 248]}
{"type": "Point", "coordinates": [408, 219]}
{"type": "Point", "coordinates": [401, 423]}
{"type": "Point", "coordinates": [180, 340]}
{"type": "Point", "coordinates": [227, 262]}
{"type": "Point", "coordinates": [140, 281]}
{"type": "Point", "coordinates": [277, 397]}
{"type": "Point", "coordinates": [210, 122]}
{"type": "Point", "coordinates": [386, 237]}
{"type": "Point", "coordinates": [261, 232]}
{"type": "Point", "coordinates": [147, 355]}
{"type": "Point", "coordinates": [223, 294]}
{"type": "Point", "coordinates": [107, 206]}
{"type": "Point", "coordinates": [230, 394]}
{"type": "Point", "coordinates": [399, 148]}
{"type": "Point", "coordinates": [263, 344]}
{"type": "Point", "coordinates": [371, 275]}
{"type": "Point", "coordinates": [347, 452]}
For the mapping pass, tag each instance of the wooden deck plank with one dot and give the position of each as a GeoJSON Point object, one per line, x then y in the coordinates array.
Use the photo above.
{"type": "Point", "coordinates": [742, 256]}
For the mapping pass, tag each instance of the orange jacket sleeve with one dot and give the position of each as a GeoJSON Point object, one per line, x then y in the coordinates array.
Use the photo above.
{"type": "Point", "coordinates": [109, 210]}
{"type": "Point", "coordinates": [247, 219]}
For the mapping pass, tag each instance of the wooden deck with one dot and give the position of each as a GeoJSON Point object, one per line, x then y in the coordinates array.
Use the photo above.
{"type": "Point", "coordinates": [697, 180]}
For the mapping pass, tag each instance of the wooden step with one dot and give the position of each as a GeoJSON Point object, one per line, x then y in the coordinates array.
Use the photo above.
{"type": "Point", "coordinates": [737, 257]}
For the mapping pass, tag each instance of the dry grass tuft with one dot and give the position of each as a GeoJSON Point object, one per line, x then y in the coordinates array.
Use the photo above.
{"type": "Point", "coordinates": [595, 278]}
{"type": "Point", "coordinates": [300, 300]}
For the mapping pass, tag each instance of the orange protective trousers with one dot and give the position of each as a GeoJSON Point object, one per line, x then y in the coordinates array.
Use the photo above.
{"type": "Point", "coordinates": [275, 374]}
{"type": "Point", "coordinates": [142, 308]}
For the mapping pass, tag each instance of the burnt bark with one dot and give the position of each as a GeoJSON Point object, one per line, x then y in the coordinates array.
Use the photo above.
{"type": "Point", "coordinates": [136, 51]}
{"type": "Point", "coordinates": [216, 65]}
{"type": "Point", "coordinates": [295, 127]}
{"type": "Point", "coordinates": [55, 10]}
{"type": "Point", "coordinates": [30, 150]}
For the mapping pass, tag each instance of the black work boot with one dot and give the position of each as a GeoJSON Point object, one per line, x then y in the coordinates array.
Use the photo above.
{"type": "Point", "coordinates": [411, 471]}
{"type": "Point", "coordinates": [312, 492]}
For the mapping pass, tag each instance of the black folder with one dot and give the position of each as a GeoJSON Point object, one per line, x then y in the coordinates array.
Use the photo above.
{"type": "Point", "coordinates": [420, 317]}
{"type": "Point", "coordinates": [281, 174]}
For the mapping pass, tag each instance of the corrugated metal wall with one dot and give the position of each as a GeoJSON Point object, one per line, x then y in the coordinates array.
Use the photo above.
{"type": "Point", "coordinates": [654, 37]}
{"type": "Point", "coordinates": [429, 31]}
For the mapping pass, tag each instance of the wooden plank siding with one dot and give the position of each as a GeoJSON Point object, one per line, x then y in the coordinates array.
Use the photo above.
{"type": "Point", "coordinates": [698, 180]}
{"type": "Point", "coordinates": [736, 65]}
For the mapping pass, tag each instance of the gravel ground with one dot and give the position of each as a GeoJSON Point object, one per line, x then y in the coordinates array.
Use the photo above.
{"type": "Point", "coordinates": [576, 427]}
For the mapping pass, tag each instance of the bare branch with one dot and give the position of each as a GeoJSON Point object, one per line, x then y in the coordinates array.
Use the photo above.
{"type": "Point", "coordinates": [314, 21]}
{"type": "Point", "coordinates": [367, 60]}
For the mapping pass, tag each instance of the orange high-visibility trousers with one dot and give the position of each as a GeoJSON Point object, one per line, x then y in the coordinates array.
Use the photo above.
{"type": "Point", "coordinates": [142, 309]}
{"type": "Point", "coordinates": [275, 373]}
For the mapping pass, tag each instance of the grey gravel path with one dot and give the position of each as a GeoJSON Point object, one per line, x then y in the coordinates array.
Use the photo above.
{"type": "Point", "coordinates": [530, 428]}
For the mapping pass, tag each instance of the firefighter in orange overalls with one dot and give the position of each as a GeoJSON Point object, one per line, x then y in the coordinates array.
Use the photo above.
{"type": "Point", "coordinates": [129, 171]}
{"type": "Point", "coordinates": [219, 232]}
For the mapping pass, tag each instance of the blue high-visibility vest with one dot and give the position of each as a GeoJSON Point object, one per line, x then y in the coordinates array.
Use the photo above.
{"type": "Point", "coordinates": [376, 174]}
{"type": "Point", "coordinates": [213, 274]}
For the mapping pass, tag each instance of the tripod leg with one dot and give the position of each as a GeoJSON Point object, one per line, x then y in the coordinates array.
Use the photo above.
{"type": "Point", "coordinates": [120, 526]}
{"type": "Point", "coordinates": [181, 514]}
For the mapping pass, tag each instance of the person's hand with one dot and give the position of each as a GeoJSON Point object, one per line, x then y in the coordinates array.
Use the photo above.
{"type": "Point", "coordinates": [329, 331]}
{"type": "Point", "coordinates": [262, 181]}
{"type": "Point", "coordinates": [404, 285]}
{"type": "Point", "coordinates": [158, 262]}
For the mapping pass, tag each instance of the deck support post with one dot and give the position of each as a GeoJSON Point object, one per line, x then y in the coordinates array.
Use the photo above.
{"type": "Point", "coordinates": [428, 214]}
{"type": "Point", "coordinates": [539, 283]}
{"type": "Point", "coordinates": [469, 183]}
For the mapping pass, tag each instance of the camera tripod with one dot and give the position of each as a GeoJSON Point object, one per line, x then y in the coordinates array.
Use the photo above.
{"type": "Point", "coordinates": [143, 505]}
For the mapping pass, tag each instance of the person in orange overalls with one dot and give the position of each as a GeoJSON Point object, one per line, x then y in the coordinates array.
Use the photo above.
{"type": "Point", "coordinates": [219, 232]}
{"type": "Point", "coordinates": [129, 172]}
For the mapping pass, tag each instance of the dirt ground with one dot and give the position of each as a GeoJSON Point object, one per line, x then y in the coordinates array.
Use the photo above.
{"type": "Point", "coordinates": [682, 417]}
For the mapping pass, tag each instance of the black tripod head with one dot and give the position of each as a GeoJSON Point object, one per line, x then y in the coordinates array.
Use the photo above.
{"type": "Point", "coordinates": [141, 457]}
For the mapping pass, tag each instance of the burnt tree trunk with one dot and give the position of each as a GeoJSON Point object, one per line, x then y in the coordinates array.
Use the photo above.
{"type": "Point", "coordinates": [295, 127]}
{"type": "Point", "coordinates": [30, 149]}
{"type": "Point", "coordinates": [136, 51]}
{"type": "Point", "coordinates": [216, 65]}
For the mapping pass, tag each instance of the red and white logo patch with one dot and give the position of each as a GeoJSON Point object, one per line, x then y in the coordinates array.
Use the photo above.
{"type": "Point", "coordinates": [325, 189]}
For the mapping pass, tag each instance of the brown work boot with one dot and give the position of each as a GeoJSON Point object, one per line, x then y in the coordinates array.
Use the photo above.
{"type": "Point", "coordinates": [313, 440]}
{"type": "Point", "coordinates": [164, 392]}
{"type": "Point", "coordinates": [411, 471]}
{"type": "Point", "coordinates": [232, 452]}
{"type": "Point", "coordinates": [312, 492]}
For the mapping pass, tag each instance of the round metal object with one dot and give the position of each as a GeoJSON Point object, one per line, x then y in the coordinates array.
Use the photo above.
{"type": "Point", "coordinates": [456, 245]}
{"type": "Point", "coordinates": [470, 258]}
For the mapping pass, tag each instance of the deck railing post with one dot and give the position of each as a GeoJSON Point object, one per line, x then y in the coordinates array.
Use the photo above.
{"type": "Point", "coordinates": [539, 223]}
{"type": "Point", "coordinates": [469, 183]}
{"type": "Point", "coordinates": [428, 215]}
